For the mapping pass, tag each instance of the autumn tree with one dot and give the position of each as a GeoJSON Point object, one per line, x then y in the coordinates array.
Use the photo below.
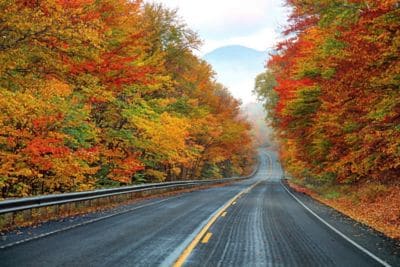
{"type": "Point", "coordinates": [107, 93]}
{"type": "Point", "coordinates": [335, 103]}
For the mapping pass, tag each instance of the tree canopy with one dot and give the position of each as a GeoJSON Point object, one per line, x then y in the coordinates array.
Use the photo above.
{"type": "Point", "coordinates": [332, 91]}
{"type": "Point", "coordinates": [102, 93]}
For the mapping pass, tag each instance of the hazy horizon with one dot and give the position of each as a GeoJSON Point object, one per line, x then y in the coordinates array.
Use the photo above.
{"type": "Point", "coordinates": [236, 68]}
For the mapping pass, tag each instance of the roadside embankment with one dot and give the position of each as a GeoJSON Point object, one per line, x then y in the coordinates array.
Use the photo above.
{"type": "Point", "coordinates": [375, 205]}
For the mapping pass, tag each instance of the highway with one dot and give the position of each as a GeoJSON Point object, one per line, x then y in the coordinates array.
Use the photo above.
{"type": "Point", "coordinates": [255, 222]}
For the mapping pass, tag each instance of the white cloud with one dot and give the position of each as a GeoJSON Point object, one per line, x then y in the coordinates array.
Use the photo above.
{"type": "Point", "coordinates": [218, 19]}
{"type": "Point", "coordinates": [251, 23]}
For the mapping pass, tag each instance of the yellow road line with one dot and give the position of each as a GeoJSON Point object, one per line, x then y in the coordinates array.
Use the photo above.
{"type": "Point", "coordinates": [206, 238]}
{"type": "Point", "coordinates": [233, 203]}
{"type": "Point", "coordinates": [223, 214]}
{"type": "Point", "coordinates": [185, 254]}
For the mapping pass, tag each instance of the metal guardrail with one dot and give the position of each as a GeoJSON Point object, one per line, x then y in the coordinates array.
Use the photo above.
{"type": "Point", "coordinates": [15, 205]}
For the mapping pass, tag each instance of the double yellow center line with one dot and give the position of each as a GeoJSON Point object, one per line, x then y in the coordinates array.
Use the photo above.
{"type": "Point", "coordinates": [203, 232]}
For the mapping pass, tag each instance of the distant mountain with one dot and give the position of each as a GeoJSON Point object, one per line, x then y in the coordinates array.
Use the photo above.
{"type": "Point", "coordinates": [240, 56]}
{"type": "Point", "coordinates": [236, 67]}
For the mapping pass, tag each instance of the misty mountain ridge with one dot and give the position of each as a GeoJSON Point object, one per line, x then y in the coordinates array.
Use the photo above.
{"type": "Point", "coordinates": [236, 58]}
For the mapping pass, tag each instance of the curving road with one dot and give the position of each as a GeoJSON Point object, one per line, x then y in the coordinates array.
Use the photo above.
{"type": "Point", "coordinates": [265, 226]}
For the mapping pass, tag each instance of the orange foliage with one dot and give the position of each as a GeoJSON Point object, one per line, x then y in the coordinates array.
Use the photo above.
{"type": "Point", "coordinates": [107, 93]}
{"type": "Point", "coordinates": [337, 90]}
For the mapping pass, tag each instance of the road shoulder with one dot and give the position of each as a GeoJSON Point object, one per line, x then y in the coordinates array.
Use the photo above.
{"type": "Point", "coordinates": [387, 248]}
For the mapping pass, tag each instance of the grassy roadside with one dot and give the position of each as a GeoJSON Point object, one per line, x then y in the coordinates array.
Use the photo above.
{"type": "Point", "coordinates": [375, 205]}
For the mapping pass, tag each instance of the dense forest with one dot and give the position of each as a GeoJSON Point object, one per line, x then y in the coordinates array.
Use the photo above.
{"type": "Point", "coordinates": [332, 93]}
{"type": "Point", "coordinates": [106, 93]}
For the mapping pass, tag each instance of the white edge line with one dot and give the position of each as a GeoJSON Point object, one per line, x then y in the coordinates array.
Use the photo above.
{"type": "Point", "coordinates": [369, 253]}
{"type": "Point", "coordinates": [81, 224]}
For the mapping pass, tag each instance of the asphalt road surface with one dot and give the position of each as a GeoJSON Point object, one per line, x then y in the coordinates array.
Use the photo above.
{"type": "Point", "coordinates": [255, 222]}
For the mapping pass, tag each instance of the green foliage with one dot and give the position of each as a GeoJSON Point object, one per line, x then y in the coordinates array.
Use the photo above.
{"type": "Point", "coordinates": [332, 195]}
{"type": "Point", "coordinates": [211, 171]}
{"type": "Point", "coordinates": [306, 103]}
{"type": "Point", "coordinates": [264, 85]}
{"type": "Point", "coordinates": [339, 14]}
{"type": "Point", "coordinates": [139, 178]}
{"type": "Point", "coordinates": [332, 47]}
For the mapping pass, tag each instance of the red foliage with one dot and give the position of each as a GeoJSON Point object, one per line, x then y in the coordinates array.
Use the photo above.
{"type": "Point", "coordinates": [47, 146]}
{"type": "Point", "coordinates": [42, 123]}
{"type": "Point", "coordinates": [337, 108]}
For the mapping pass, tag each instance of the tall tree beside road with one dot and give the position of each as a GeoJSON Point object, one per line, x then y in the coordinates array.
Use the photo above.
{"type": "Point", "coordinates": [104, 93]}
{"type": "Point", "coordinates": [332, 91]}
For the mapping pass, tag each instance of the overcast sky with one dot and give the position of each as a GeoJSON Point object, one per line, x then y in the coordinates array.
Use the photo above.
{"type": "Point", "coordinates": [252, 23]}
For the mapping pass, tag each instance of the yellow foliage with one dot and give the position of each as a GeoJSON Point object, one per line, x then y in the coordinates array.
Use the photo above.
{"type": "Point", "coordinates": [157, 175]}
